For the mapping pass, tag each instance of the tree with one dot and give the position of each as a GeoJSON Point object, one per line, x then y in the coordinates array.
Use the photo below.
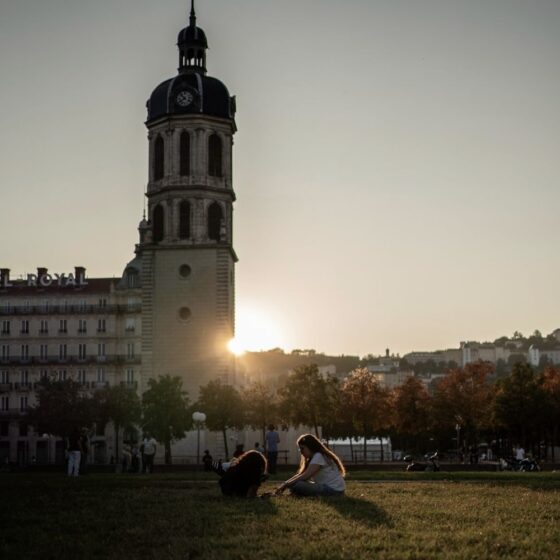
{"type": "Point", "coordinates": [411, 410]}
{"type": "Point", "coordinates": [62, 408]}
{"type": "Point", "coordinates": [518, 404]}
{"type": "Point", "coordinates": [304, 399]}
{"type": "Point", "coordinates": [260, 407]}
{"type": "Point", "coordinates": [223, 407]}
{"type": "Point", "coordinates": [166, 413]}
{"type": "Point", "coordinates": [368, 401]}
{"type": "Point", "coordinates": [121, 405]}
{"type": "Point", "coordinates": [550, 382]}
{"type": "Point", "coordinates": [464, 397]}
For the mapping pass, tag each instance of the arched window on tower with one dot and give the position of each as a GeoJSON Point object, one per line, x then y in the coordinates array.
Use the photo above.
{"type": "Point", "coordinates": [185, 154]}
{"type": "Point", "coordinates": [158, 223]}
{"type": "Point", "coordinates": [185, 220]}
{"type": "Point", "coordinates": [215, 156]}
{"type": "Point", "coordinates": [215, 217]}
{"type": "Point", "coordinates": [159, 153]}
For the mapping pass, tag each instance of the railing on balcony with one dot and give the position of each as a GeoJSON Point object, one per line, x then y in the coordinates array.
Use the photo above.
{"type": "Point", "coordinates": [108, 359]}
{"type": "Point", "coordinates": [72, 309]}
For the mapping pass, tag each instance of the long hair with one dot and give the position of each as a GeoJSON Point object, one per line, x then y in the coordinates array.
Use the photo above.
{"type": "Point", "coordinates": [250, 462]}
{"type": "Point", "coordinates": [315, 446]}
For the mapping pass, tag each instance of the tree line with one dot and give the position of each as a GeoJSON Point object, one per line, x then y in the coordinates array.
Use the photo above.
{"type": "Point", "coordinates": [470, 403]}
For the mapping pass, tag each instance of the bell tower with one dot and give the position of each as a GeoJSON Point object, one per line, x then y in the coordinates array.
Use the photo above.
{"type": "Point", "coordinates": [186, 250]}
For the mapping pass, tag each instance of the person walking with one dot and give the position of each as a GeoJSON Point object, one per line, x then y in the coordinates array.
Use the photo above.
{"type": "Point", "coordinates": [272, 439]}
{"type": "Point", "coordinates": [74, 449]}
{"type": "Point", "coordinates": [149, 448]}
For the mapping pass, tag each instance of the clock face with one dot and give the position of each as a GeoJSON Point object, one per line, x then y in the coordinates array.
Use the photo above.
{"type": "Point", "coordinates": [184, 98]}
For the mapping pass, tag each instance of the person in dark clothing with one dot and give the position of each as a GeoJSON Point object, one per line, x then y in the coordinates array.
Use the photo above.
{"type": "Point", "coordinates": [84, 438]}
{"type": "Point", "coordinates": [238, 451]}
{"type": "Point", "coordinates": [244, 475]}
{"type": "Point", "coordinates": [207, 460]}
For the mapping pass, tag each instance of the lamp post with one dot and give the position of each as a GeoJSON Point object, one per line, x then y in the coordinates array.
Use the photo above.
{"type": "Point", "coordinates": [198, 418]}
{"type": "Point", "coordinates": [458, 429]}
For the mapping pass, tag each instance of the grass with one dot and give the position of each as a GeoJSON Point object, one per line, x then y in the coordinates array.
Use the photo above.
{"type": "Point", "coordinates": [384, 515]}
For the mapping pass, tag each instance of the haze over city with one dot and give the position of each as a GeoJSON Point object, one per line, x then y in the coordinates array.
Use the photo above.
{"type": "Point", "coordinates": [395, 167]}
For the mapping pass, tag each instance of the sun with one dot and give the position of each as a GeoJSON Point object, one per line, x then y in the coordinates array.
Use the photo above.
{"type": "Point", "coordinates": [255, 329]}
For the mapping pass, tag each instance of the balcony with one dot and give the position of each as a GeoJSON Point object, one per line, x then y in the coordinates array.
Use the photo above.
{"type": "Point", "coordinates": [71, 310]}
{"type": "Point", "coordinates": [5, 387]}
{"type": "Point", "coordinates": [130, 384]}
{"type": "Point", "coordinates": [109, 359]}
{"type": "Point", "coordinates": [23, 387]}
{"type": "Point", "coordinates": [11, 412]}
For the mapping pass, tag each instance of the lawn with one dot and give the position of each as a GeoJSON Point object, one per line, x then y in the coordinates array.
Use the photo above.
{"type": "Point", "coordinates": [384, 515]}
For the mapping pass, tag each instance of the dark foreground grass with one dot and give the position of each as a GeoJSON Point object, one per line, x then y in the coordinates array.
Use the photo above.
{"type": "Point", "coordinates": [479, 515]}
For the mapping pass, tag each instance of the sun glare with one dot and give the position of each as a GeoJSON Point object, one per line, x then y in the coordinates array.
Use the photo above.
{"type": "Point", "coordinates": [255, 330]}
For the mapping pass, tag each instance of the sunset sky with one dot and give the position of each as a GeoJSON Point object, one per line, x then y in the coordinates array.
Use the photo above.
{"type": "Point", "coordinates": [397, 164]}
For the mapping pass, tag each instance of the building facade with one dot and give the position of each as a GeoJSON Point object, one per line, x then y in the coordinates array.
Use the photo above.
{"type": "Point", "coordinates": [172, 310]}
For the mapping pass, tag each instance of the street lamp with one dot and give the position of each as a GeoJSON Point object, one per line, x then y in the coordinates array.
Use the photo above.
{"type": "Point", "coordinates": [198, 418]}
{"type": "Point", "coordinates": [458, 429]}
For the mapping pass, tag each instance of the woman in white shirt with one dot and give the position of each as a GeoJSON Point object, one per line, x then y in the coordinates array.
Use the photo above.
{"type": "Point", "coordinates": [321, 472]}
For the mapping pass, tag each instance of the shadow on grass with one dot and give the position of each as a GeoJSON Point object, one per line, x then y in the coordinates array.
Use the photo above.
{"type": "Point", "coordinates": [359, 510]}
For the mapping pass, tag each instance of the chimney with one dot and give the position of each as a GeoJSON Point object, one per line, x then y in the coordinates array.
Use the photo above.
{"type": "Point", "coordinates": [386, 352]}
{"type": "Point", "coordinates": [41, 272]}
{"type": "Point", "coordinates": [4, 277]}
{"type": "Point", "coordinates": [80, 275]}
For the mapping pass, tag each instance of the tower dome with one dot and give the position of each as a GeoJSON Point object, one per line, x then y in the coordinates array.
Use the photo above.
{"type": "Point", "coordinates": [191, 91]}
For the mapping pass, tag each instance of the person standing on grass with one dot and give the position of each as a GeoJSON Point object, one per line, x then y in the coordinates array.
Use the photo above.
{"type": "Point", "coordinates": [321, 472]}
{"type": "Point", "coordinates": [149, 448]}
{"type": "Point", "coordinates": [74, 449]}
{"type": "Point", "coordinates": [272, 439]}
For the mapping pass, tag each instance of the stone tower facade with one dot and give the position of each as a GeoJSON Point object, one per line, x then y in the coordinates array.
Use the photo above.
{"type": "Point", "coordinates": [185, 256]}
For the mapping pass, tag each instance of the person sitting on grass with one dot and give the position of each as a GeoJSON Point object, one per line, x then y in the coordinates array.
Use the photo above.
{"type": "Point", "coordinates": [321, 472]}
{"type": "Point", "coordinates": [243, 476]}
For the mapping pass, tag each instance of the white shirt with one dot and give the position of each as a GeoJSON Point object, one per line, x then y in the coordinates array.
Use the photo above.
{"type": "Point", "coordinates": [149, 446]}
{"type": "Point", "coordinates": [520, 454]}
{"type": "Point", "coordinates": [328, 473]}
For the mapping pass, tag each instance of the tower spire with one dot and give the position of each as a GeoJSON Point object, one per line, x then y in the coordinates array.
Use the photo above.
{"type": "Point", "coordinates": [193, 15]}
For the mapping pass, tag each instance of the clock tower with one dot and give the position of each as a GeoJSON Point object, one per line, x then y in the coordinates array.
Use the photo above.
{"type": "Point", "coordinates": [185, 256]}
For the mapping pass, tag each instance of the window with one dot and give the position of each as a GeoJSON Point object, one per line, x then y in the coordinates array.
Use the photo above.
{"type": "Point", "coordinates": [101, 325]}
{"type": "Point", "coordinates": [100, 375]}
{"type": "Point", "coordinates": [159, 154]}
{"type": "Point", "coordinates": [102, 303]}
{"type": "Point", "coordinates": [184, 220]}
{"type": "Point", "coordinates": [25, 352]}
{"type": "Point", "coordinates": [4, 403]}
{"type": "Point", "coordinates": [46, 306]}
{"type": "Point", "coordinates": [130, 324]}
{"type": "Point", "coordinates": [82, 377]}
{"type": "Point", "coordinates": [62, 351]}
{"type": "Point", "coordinates": [215, 156]}
{"type": "Point", "coordinates": [4, 429]}
{"type": "Point", "coordinates": [62, 375]}
{"type": "Point", "coordinates": [82, 305]}
{"type": "Point", "coordinates": [63, 326]}
{"type": "Point", "coordinates": [130, 350]}
{"type": "Point", "coordinates": [44, 351]}
{"type": "Point", "coordinates": [23, 404]}
{"type": "Point", "coordinates": [214, 221]}
{"type": "Point", "coordinates": [24, 377]}
{"type": "Point", "coordinates": [5, 353]}
{"type": "Point", "coordinates": [185, 155]}
{"type": "Point", "coordinates": [81, 351]}
{"type": "Point", "coordinates": [4, 377]}
{"type": "Point", "coordinates": [130, 377]}
{"type": "Point", "coordinates": [159, 223]}
{"type": "Point", "coordinates": [44, 327]}
{"type": "Point", "coordinates": [23, 429]}
{"type": "Point", "coordinates": [25, 327]}
{"type": "Point", "coordinates": [101, 351]}
{"type": "Point", "coordinates": [43, 374]}
{"type": "Point", "coordinates": [132, 279]}
{"type": "Point", "coordinates": [82, 326]}
{"type": "Point", "coordinates": [6, 327]}
{"type": "Point", "coordinates": [131, 303]}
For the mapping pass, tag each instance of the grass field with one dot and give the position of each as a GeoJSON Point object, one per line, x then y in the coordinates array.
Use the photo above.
{"type": "Point", "coordinates": [384, 515]}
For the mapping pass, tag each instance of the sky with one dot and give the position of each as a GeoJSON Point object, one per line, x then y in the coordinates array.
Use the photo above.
{"type": "Point", "coordinates": [396, 163]}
